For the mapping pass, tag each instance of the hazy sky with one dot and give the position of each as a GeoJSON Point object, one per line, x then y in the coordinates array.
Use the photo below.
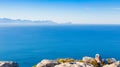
{"type": "Point", "coordinates": [76, 11]}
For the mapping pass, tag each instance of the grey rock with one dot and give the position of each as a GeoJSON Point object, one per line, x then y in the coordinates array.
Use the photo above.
{"type": "Point", "coordinates": [115, 64]}
{"type": "Point", "coordinates": [47, 63]}
{"type": "Point", "coordinates": [87, 59]}
{"type": "Point", "coordinates": [77, 64]}
{"type": "Point", "coordinates": [8, 64]}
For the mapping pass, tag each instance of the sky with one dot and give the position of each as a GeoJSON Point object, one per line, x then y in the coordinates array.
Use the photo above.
{"type": "Point", "coordinates": [61, 11]}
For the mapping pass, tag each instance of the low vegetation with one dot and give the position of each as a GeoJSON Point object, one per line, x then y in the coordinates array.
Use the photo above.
{"type": "Point", "coordinates": [93, 62]}
{"type": "Point", "coordinates": [65, 60]}
{"type": "Point", "coordinates": [34, 66]}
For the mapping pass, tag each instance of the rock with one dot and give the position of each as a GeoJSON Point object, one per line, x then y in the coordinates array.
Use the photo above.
{"type": "Point", "coordinates": [110, 60]}
{"type": "Point", "coordinates": [115, 64]}
{"type": "Point", "coordinates": [87, 59]}
{"type": "Point", "coordinates": [98, 58]}
{"type": "Point", "coordinates": [85, 62]}
{"type": "Point", "coordinates": [8, 64]}
{"type": "Point", "coordinates": [47, 63]}
{"type": "Point", "coordinates": [77, 64]}
{"type": "Point", "coordinates": [63, 65]}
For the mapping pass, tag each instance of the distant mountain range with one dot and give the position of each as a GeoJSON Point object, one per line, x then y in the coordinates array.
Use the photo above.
{"type": "Point", "coordinates": [19, 21]}
{"type": "Point", "coordinates": [6, 20]}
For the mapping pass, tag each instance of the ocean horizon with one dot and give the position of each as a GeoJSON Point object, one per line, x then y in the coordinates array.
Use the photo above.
{"type": "Point", "coordinates": [28, 45]}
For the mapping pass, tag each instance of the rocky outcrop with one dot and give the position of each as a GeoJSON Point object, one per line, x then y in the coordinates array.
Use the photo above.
{"type": "Point", "coordinates": [77, 64]}
{"type": "Point", "coordinates": [52, 63]}
{"type": "Point", "coordinates": [115, 64]}
{"type": "Point", "coordinates": [97, 61]}
{"type": "Point", "coordinates": [97, 58]}
{"type": "Point", "coordinates": [110, 60]}
{"type": "Point", "coordinates": [87, 59]}
{"type": "Point", "coordinates": [8, 64]}
{"type": "Point", "coordinates": [47, 63]}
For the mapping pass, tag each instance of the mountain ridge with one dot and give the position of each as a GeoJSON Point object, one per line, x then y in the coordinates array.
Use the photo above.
{"type": "Point", "coordinates": [7, 20]}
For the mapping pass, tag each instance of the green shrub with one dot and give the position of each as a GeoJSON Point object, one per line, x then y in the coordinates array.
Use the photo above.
{"type": "Point", "coordinates": [65, 60]}
{"type": "Point", "coordinates": [34, 66]}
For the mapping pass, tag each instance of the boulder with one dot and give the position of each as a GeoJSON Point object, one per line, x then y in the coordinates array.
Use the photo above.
{"type": "Point", "coordinates": [77, 64]}
{"type": "Point", "coordinates": [110, 60]}
{"type": "Point", "coordinates": [115, 64]}
{"type": "Point", "coordinates": [87, 59]}
{"type": "Point", "coordinates": [8, 64]}
{"type": "Point", "coordinates": [47, 63]}
{"type": "Point", "coordinates": [84, 64]}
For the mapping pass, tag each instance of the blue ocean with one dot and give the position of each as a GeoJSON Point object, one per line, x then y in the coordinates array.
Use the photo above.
{"type": "Point", "coordinates": [28, 45]}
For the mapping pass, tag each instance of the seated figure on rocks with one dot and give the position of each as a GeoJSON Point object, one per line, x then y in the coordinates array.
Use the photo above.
{"type": "Point", "coordinates": [98, 59]}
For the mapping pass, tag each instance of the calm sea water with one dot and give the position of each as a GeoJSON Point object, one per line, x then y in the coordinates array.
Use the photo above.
{"type": "Point", "coordinates": [28, 45]}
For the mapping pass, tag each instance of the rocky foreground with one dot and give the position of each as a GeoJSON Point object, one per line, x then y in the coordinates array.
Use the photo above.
{"type": "Point", "coordinates": [68, 62]}
{"type": "Point", "coordinates": [85, 62]}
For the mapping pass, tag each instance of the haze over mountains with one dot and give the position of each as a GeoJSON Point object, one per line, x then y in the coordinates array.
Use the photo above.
{"type": "Point", "coordinates": [7, 21]}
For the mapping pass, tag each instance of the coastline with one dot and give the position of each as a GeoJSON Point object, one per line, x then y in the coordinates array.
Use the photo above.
{"type": "Point", "coordinates": [85, 62]}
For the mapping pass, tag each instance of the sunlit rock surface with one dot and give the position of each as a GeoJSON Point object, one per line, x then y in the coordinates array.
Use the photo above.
{"type": "Point", "coordinates": [47, 63]}
{"type": "Point", "coordinates": [115, 64]}
{"type": "Point", "coordinates": [96, 61]}
{"type": "Point", "coordinates": [77, 64]}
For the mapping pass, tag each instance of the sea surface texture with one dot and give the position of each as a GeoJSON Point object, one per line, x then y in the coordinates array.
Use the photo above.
{"type": "Point", "coordinates": [28, 45]}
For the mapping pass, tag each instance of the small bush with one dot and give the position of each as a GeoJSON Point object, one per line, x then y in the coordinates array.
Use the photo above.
{"type": "Point", "coordinates": [65, 60]}
{"type": "Point", "coordinates": [34, 66]}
